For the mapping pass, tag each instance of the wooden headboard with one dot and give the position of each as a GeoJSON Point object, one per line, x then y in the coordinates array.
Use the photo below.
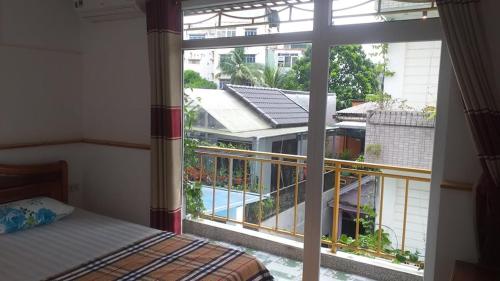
{"type": "Point", "coordinates": [19, 182]}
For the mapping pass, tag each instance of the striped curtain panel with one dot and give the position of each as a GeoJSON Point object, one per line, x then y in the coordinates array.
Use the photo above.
{"type": "Point", "coordinates": [468, 47]}
{"type": "Point", "coordinates": [165, 63]}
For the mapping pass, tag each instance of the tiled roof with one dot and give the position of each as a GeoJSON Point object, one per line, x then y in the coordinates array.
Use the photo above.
{"type": "Point", "coordinates": [272, 104]}
{"type": "Point", "coordinates": [400, 118]}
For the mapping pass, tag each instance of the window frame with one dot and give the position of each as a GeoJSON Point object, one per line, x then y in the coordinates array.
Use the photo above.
{"type": "Point", "coordinates": [197, 36]}
{"type": "Point", "coordinates": [287, 60]}
{"type": "Point", "coordinates": [250, 32]}
{"type": "Point", "coordinates": [250, 58]}
{"type": "Point", "coordinates": [226, 32]}
{"type": "Point", "coordinates": [323, 36]}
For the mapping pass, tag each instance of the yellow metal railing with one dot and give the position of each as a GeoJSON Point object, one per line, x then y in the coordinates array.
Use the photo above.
{"type": "Point", "coordinates": [254, 163]}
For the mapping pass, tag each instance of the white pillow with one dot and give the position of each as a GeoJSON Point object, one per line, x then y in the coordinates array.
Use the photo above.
{"type": "Point", "coordinates": [28, 213]}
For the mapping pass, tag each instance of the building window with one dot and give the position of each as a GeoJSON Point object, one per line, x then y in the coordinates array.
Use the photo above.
{"type": "Point", "coordinates": [301, 46]}
{"type": "Point", "coordinates": [287, 60]}
{"type": "Point", "coordinates": [196, 36]}
{"type": "Point", "coordinates": [194, 61]}
{"type": "Point", "coordinates": [223, 82]}
{"type": "Point", "coordinates": [249, 58]}
{"type": "Point", "coordinates": [227, 32]}
{"type": "Point", "coordinates": [250, 31]}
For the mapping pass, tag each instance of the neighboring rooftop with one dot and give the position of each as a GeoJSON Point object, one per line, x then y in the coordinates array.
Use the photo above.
{"type": "Point", "coordinates": [356, 113]}
{"type": "Point", "coordinates": [351, 125]}
{"type": "Point", "coordinates": [302, 98]}
{"type": "Point", "coordinates": [272, 104]}
{"type": "Point", "coordinates": [233, 113]}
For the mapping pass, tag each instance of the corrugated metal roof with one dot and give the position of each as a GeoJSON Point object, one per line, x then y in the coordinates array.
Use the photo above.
{"type": "Point", "coordinates": [272, 104]}
{"type": "Point", "coordinates": [267, 133]}
{"type": "Point", "coordinates": [230, 111]}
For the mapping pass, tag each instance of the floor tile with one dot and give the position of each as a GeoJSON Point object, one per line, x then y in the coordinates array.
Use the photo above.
{"type": "Point", "coordinates": [284, 269]}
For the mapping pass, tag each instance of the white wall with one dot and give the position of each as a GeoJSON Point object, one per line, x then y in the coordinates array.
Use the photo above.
{"type": "Point", "coordinates": [117, 182]}
{"type": "Point", "coordinates": [451, 229]}
{"type": "Point", "coordinates": [116, 102]}
{"type": "Point", "coordinates": [417, 212]}
{"type": "Point", "coordinates": [40, 79]}
{"type": "Point", "coordinates": [416, 67]}
{"type": "Point", "coordinates": [456, 231]}
{"type": "Point", "coordinates": [40, 71]}
{"type": "Point", "coordinates": [62, 79]}
{"type": "Point", "coordinates": [116, 96]}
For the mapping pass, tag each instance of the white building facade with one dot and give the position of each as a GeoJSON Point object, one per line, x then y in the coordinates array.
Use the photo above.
{"type": "Point", "coordinates": [416, 73]}
{"type": "Point", "coordinates": [206, 61]}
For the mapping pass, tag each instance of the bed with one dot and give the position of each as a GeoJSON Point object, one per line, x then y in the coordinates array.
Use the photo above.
{"type": "Point", "coordinates": [87, 246]}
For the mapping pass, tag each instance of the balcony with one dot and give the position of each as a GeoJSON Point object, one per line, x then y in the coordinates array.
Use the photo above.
{"type": "Point", "coordinates": [372, 213]}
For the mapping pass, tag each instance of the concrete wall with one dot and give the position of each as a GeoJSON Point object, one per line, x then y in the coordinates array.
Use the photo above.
{"type": "Point", "coordinates": [401, 145]}
{"type": "Point", "coordinates": [286, 218]}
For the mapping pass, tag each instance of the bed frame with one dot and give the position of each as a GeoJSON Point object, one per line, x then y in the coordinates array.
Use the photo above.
{"type": "Point", "coordinates": [19, 182]}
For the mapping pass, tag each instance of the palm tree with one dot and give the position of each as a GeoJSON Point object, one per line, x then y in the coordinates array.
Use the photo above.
{"type": "Point", "coordinates": [274, 77]}
{"type": "Point", "coordinates": [235, 66]}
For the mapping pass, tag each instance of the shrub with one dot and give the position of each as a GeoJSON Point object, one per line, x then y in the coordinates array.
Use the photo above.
{"type": "Point", "coordinates": [374, 149]}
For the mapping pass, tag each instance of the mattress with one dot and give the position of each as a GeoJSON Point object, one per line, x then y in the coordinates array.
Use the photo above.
{"type": "Point", "coordinates": [45, 251]}
{"type": "Point", "coordinates": [87, 246]}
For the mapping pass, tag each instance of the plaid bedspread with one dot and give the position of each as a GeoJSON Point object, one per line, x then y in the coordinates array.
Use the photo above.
{"type": "Point", "coordinates": [166, 256]}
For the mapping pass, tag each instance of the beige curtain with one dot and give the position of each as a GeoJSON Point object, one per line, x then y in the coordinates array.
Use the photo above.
{"type": "Point", "coordinates": [468, 47]}
{"type": "Point", "coordinates": [165, 63]}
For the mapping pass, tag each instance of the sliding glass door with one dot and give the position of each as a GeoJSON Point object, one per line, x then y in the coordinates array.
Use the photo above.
{"type": "Point", "coordinates": [259, 83]}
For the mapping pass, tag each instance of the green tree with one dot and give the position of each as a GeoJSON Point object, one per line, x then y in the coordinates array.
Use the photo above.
{"type": "Point", "coordinates": [193, 79]}
{"type": "Point", "coordinates": [274, 77]}
{"type": "Point", "coordinates": [240, 72]}
{"type": "Point", "coordinates": [192, 189]}
{"type": "Point", "coordinates": [383, 99]}
{"type": "Point", "coordinates": [352, 75]}
{"type": "Point", "coordinates": [298, 78]}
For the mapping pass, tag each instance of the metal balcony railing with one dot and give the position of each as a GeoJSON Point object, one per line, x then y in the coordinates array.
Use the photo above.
{"type": "Point", "coordinates": [268, 187]}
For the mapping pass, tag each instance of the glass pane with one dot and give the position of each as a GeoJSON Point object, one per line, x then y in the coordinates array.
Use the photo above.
{"type": "Point", "coordinates": [246, 114]}
{"type": "Point", "coordinates": [249, 19]}
{"type": "Point", "coordinates": [365, 11]}
{"type": "Point", "coordinates": [385, 115]}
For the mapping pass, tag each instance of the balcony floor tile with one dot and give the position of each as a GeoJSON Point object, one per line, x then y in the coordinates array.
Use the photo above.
{"type": "Point", "coordinates": [284, 269]}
